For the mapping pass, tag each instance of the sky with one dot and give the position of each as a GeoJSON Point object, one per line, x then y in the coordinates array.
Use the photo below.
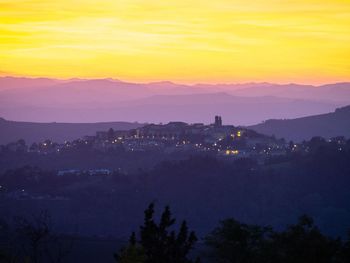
{"type": "Point", "coordinates": [188, 41]}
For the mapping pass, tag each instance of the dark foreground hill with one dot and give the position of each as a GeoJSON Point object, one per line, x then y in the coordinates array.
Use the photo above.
{"type": "Point", "coordinates": [34, 132]}
{"type": "Point", "coordinates": [325, 125]}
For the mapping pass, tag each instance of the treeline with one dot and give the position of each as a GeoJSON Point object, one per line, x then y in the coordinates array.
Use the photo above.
{"type": "Point", "coordinates": [233, 242]}
{"type": "Point", "coordinates": [302, 242]}
{"type": "Point", "coordinates": [203, 189]}
{"type": "Point", "coordinates": [33, 240]}
{"type": "Point", "coordinates": [161, 240]}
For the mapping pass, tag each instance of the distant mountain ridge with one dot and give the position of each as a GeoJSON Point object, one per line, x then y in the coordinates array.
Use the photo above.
{"type": "Point", "coordinates": [337, 92]}
{"type": "Point", "coordinates": [96, 100]}
{"type": "Point", "coordinates": [328, 125]}
{"type": "Point", "coordinates": [164, 108]}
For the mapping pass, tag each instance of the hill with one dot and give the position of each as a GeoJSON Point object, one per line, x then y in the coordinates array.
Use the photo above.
{"type": "Point", "coordinates": [326, 125]}
{"type": "Point", "coordinates": [59, 132]}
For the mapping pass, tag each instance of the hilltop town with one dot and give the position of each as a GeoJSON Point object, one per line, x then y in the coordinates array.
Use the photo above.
{"type": "Point", "coordinates": [223, 140]}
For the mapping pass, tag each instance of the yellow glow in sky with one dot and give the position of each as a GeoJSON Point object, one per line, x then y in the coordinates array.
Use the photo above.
{"type": "Point", "coordinates": [305, 41]}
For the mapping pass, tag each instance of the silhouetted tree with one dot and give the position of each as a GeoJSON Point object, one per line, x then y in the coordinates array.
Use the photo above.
{"type": "Point", "coordinates": [133, 253]}
{"type": "Point", "coordinates": [304, 243]}
{"type": "Point", "coordinates": [235, 242]}
{"type": "Point", "coordinates": [34, 147]}
{"type": "Point", "coordinates": [344, 256]}
{"type": "Point", "coordinates": [159, 244]}
{"type": "Point", "coordinates": [38, 242]}
{"type": "Point", "coordinates": [35, 233]}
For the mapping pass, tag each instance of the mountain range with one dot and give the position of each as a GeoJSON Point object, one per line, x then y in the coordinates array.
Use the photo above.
{"type": "Point", "coordinates": [106, 100]}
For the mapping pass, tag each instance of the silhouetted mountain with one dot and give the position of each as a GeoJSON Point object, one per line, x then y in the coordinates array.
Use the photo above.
{"type": "Point", "coordinates": [11, 131]}
{"type": "Point", "coordinates": [14, 83]}
{"type": "Point", "coordinates": [325, 125]}
{"type": "Point", "coordinates": [96, 100]}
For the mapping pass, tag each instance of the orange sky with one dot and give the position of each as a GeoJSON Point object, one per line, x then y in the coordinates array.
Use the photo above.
{"type": "Point", "coordinates": [184, 40]}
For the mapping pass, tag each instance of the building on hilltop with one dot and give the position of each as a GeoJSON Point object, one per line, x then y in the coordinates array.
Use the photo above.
{"type": "Point", "coordinates": [172, 131]}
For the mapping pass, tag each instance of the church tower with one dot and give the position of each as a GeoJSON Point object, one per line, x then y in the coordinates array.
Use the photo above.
{"type": "Point", "coordinates": [218, 121]}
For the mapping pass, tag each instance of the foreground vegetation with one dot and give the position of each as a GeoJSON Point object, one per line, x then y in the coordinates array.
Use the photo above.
{"type": "Point", "coordinates": [158, 242]}
{"type": "Point", "coordinates": [313, 178]}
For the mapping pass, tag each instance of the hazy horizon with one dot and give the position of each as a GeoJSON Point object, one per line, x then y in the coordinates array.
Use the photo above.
{"type": "Point", "coordinates": [105, 100]}
{"type": "Point", "coordinates": [174, 81]}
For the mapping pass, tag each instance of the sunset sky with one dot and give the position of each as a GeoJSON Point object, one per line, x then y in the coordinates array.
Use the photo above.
{"type": "Point", "coordinates": [305, 41]}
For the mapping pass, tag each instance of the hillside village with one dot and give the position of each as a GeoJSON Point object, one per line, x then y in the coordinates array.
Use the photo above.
{"type": "Point", "coordinates": [223, 140]}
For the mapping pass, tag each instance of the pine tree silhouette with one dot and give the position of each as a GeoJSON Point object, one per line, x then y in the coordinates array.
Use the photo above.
{"type": "Point", "coordinates": [158, 243]}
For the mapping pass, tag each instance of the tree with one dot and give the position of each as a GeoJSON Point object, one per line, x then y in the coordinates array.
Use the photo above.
{"type": "Point", "coordinates": [235, 242]}
{"type": "Point", "coordinates": [34, 147]}
{"type": "Point", "coordinates": [133, 253]}
{"type": "Point", "coordinates": [304, 243]}
{"type": "Point", "coordinates": [21, 143]}
{"type": "Point", "coordinates": [345, 253]}
{"type": "Point", "coordinates": [36, 233]}
{"type": "Point", "coordinates": [157, 243]}
{"type": "Point", "coordinates": [39, 243]}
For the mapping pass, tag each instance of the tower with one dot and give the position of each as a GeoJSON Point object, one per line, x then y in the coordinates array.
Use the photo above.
{"type": "Point", "coordinates": [218, 121]}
